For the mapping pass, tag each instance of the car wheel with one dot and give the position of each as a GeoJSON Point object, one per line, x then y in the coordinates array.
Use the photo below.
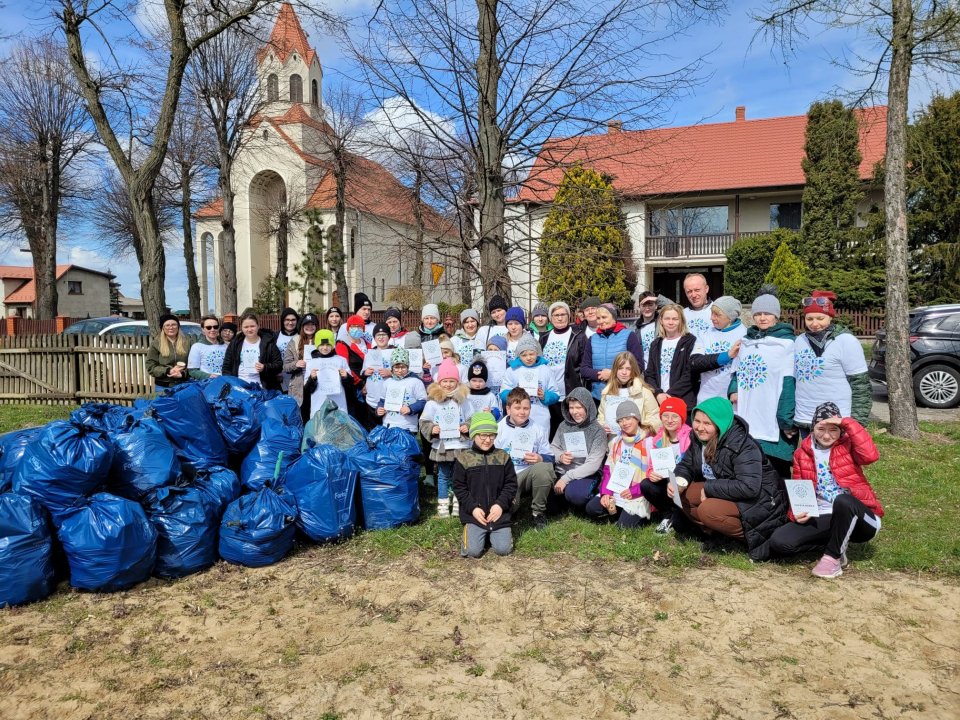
{"type": "Point", "coordinates": [937, 386]}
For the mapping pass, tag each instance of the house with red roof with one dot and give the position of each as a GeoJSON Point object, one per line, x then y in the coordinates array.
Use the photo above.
{"type": "Point", "coordinates": [688, 193]}
{"type": "Point", "coordinates": [81, 292]}
{"type": "Point", "coordinates": [284, 168]}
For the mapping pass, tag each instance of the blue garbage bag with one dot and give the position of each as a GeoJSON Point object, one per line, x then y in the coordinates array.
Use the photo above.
{"type": "Point", "coordinates": [280, 432]}
{"type": "Point", "coordinates": [187, 521]}
{"type": "Point", "coordinates": [324, 483]}
{"type": "Point", "coordinates": [258, 529]}
{"type": "Point", "coordinates": [144, 459]}
{"type": "Point", "coordinates": [67, 462]}
{"type": "Point", "coordinates": [188, 421]}
{"type": "Point", "coordinates": [103, 416]}
{"type": "Point", "coordinates": [12, 446]}
{"type": "Point", "coordinates": [332, 426]}
{"type": "Point", "coordinates": [26, 551]}
{"type": "Point", "coordinates": [237, 406]}
{"type": "Point", "coordinates": [109, 542]}
{"type": "Point", "coordinates": [220, 484]}
{"type": "Point", "coordinates": [389, 474]}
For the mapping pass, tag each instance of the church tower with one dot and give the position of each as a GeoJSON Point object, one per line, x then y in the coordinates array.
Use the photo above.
{"type": "Point", "coordinates": [290, 73]}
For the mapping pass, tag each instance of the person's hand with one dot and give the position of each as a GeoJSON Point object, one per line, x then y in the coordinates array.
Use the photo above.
{"type": "Point", "coordinates": [405, 410]}
{"type": "Point", "coordinates": [343, 373]}
{"type": "Point", "coordinates": [381, 412]}
{"type": "Point", "coordinates": [313, 373]}
{"type": "Point", "coordinates": [661, 397]}
{"type": "Point", "coordinates": [802, 518]}
{"type": "Point", "coordinates": [703, 495]}
{"type": "Point", "coordinates": [214, 375]}
{"type": "Point", "coordinates": [733, 398]}
{"type": "Point", "coordinates": [531, 458]}
{"type": "Point", "coordinates": [789, 434]}
{"type": "Point", "coordinates": [670, 491]}
{"type": "Point", "coordinates": [655, 476]}
{"type": "Point", "coordinates": [436, 430]}
{"type": "Point", "coordinates": [609, 503]}
{"type": "Point", "coordinates": [566, 458]}
{"type": "Point", "coordinates": [385, 372]}
{"type": "Point", "coordinates": [734, 349]}
{"type": "Point", "coordinates": [831, 421]}
{"type": "Point", "coordinates": [258, 366]}
{"type": "Point", "coordinates": [175, 372]}
{"type": "Point", "coordinates": [480, 516]}
{"type": "Point", "coordinates": [369, 371]}
{"type": "Point", "coordinates": [560, 486]}
{"type": "Point", "coordinates": [495, 513]}
{"type": "Point", "coordinates": [626, 494]}
{"type": "Point", "coordinates": [301, 364]}
{"type": "Point", "coordinates": [464, 429]}
{"type": "Point", "coordinates": [426, 366]}
{"type": "Point", "coordinates": [540, 393]}
{"type": "Point", "coordinates": [604, 375]}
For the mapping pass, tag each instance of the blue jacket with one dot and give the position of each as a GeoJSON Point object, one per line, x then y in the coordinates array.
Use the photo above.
{"type": "Point", "coordinates": [601, 349]}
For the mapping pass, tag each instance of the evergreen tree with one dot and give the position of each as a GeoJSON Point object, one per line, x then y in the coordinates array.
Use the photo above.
{"type": "Point", "coordinates": [749, 260]}
{"type": "Point", "coordinates": [788, 273]}
{"type": "Point", "coordinates": [311, 269]}
{"type": "Point", "coordinates": [581, 249]}
{"type": "Point", "coordinates": [833, 188]}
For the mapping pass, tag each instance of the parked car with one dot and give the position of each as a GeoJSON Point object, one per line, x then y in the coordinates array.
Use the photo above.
{"type": "Point", "coordinates": [110, 326]}
{"type": "Point", "coordinates": [934, 355]}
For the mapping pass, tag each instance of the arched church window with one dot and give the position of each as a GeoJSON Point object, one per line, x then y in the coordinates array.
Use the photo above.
{"type": "Point", "coordinates": [296, 88]}
{"type": "Point", "coordinates": [314, 93]}
{"type": "Point", "coordinates": [273, 88]}
{"type": "Point", "coordinates": [353, 242]}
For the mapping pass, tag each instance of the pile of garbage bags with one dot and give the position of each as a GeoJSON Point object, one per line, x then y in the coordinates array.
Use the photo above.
{"type": "Point", "coordinates": [209, 470]}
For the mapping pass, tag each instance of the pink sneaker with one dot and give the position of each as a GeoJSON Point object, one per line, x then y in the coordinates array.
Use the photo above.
{"type": "Point", "coordinates": [828, 567]}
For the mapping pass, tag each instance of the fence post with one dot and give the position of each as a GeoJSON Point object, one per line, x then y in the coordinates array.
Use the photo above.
{"type": "Point", "coordinates": [61, 323]}
{"type": "Point", "coordinates": [231, 318]}
{"type": "Point", "coordinates": [13, 323]}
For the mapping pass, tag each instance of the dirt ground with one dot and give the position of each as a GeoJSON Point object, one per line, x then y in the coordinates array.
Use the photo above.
{"type": "Point", "coordinates": [328, 634]}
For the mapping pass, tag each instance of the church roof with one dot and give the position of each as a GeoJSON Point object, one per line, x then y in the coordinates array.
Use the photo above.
{"type": "Point", "coordinates": [287, 37]}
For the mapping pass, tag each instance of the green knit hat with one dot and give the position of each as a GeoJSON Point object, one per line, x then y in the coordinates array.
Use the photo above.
{"type": "Point", "coordinates": [483, 422]}
{"type": "Point", "coordinates": [720, 412]}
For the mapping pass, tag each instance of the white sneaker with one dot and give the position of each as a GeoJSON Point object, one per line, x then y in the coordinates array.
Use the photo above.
{"type": "Point", "coordinates": [443, 507]}
{"type": "Point", "coordinates": [455, 507]}
{"type": "Point", "coordinates": [665, 526]}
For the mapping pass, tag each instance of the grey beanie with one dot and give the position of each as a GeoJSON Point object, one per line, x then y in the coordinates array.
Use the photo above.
{"type": "Point", "coordinates": [559, 304]}
{"type": "Point", "coordinates": [411, 341]}
{"type": "Point", "coordinates": [430, 310]}
{"type": "Point", "coordinates": [767, 302]}
{"type": "Point", "coordinates": [540, 309]}
{"type": "Point", "coordinates": [729, 306]}
{"type": "Point", "coordinates": [527, 343]}
{"type": "Point", "coordinates": [628, 408]}
{"type": "Point", "coordinates": [469, 313]}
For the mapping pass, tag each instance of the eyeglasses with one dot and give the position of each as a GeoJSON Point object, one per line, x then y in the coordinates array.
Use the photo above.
{"type": "Point", "coordinates": [820, 301]}
{"type": "Point", "coordinates": [290, 320]}
{"type": "Point", "coordinates": [211, 327]}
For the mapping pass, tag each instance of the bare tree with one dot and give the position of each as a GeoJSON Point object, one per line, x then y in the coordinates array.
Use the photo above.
{"type": "Point", "coordinates": [509, 74]}
{"type": "Point", "coordinates": [115, 221]}
{"type": "Point", "coordinates": [81, 19]}
{"type": "Point", "coordinates": [910, 35]}
{"type": "Point", "coordinates": [44, 127]}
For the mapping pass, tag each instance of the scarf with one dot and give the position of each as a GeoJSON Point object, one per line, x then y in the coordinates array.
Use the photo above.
{"type": "Point", "coordinates": [818, 340]}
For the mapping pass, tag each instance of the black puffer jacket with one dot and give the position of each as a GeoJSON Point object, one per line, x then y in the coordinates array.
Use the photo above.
{"type": "Point", "coordinates": [269, 356]}
{"type": "Point", "coordinates": [746, 477]}
{"type": "Point", "coordinates": [684, 382]}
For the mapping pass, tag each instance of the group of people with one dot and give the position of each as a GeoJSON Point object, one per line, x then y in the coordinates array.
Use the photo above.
{"type": "Point", "coordinates": [692, 419]}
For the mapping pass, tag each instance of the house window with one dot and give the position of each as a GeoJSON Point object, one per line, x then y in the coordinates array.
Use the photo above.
{"type": "Point", "coordinates": [273, 88]}
{"type": "Point", "coordinates": [353, 242]}
{"type": "Point", "coordinates": [314, 93]}
{"type": "Point", "coordinates": [74, 287]}
{"type": "Point", "coordinates": [709, 220]}
{"type": "Point", "coordinates": [296, 88]}
{"type": "Point", "coordinates": [785, 215]}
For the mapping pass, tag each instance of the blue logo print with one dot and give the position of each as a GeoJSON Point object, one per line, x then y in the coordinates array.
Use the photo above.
{"type": "Point", "coordinates": [808, 366]}
{"type": "Point", "coordinates": [752, 372]}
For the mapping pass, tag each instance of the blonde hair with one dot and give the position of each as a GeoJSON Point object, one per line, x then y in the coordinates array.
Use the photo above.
{"type": "Point", "coordinates": [624, 358]}
{"type": "Point", "coordinates": [679, 311]}
{"type": "Point", "coordinates": [169, 349]}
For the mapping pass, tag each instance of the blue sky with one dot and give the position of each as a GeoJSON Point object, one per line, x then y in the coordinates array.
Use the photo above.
{"type": "Point", "coordinates": [741, 73]}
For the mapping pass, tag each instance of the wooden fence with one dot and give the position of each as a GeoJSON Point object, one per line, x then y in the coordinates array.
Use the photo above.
{"type": "Point", "coordinates": [71, 369]}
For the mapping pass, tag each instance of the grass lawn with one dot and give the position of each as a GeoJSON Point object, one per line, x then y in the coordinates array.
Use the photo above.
{"type": "Point", "coordinates": [916, 482]}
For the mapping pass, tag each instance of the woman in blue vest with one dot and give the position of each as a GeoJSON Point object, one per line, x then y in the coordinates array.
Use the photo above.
{"type": "Point", "coordinates": [612, 337]}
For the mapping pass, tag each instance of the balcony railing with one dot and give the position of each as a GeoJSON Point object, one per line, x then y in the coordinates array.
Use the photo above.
{"type": "Point", "coordinates": [692, 246]}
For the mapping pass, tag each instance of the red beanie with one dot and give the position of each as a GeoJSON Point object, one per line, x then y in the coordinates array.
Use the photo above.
{"type": "Point", "coordinates": [820, 301]}
{"type": "Point", "coordinates": [355, 320]}
{"type": "Point", "coordinates": [674, 405]}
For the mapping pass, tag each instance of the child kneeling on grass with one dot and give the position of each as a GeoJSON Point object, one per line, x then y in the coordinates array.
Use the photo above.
{"type": "Point", "coordinates": [485, 484]}
{"type": "Point", "coordinates": [447, 396]}
{"type": "Point", "coordinates": [833, 456]}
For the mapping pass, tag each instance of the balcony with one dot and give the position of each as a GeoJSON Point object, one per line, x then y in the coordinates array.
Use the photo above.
{"type": "Point", "coordinates": [673, 247]}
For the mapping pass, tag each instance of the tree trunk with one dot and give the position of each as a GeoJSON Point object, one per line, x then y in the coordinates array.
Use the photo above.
{"type": "Point", "coordinates": [468, 238]}
{"type": "Point", "coordinates": [228, 238]}
{"type": "Point", "coordinates": [153, 261]}
{"type": "Point", "coordinates": [45, 253]}
{"type": "Point", "coordinates": [186, 197]}
{"type": "Point", "coordinates": [338, 257]}
{"type": "Point", "coordinates": [282, 242]}
{"type": "Point", "coordinates": [419, 249]}
{"type": "Point", "coordinates": [493, 262]}
{"type": "Point", "coordinates": [903, 409]}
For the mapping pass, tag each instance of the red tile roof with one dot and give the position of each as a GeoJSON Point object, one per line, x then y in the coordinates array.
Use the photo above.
{"type": "Point", "coordinates": [212, 210]}
{"type": "Point", "coordinates": [287, 37]}
{"type": "Point", "coordinates": [27, 292]}
{"type": "Point", "coordinates": [746, 154]}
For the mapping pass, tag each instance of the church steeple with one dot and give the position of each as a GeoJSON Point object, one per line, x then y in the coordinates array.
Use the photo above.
{"type": "Point", "coordinates": [290, 72]}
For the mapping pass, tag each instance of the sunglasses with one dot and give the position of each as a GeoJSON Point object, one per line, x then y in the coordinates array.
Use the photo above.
{"type": "Point", "coordinates": [211, 327]}
{"type": "Point", "coordinates": [819, 301]}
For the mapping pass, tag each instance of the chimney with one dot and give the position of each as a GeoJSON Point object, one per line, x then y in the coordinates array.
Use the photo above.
{"type": "Point", "coordinates": [614, 126]}
{"type": "Point", "coordinates": [741, 113]}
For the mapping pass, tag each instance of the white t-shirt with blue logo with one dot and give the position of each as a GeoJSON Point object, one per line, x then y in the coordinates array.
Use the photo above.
{"type": "Point", "coordinates": [824, 379]}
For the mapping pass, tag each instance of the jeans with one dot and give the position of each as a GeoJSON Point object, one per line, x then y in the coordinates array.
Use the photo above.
{"type": "Point", "coordinates": [444, 479]}
{"type": "Point", "coordinates": [474, 541]}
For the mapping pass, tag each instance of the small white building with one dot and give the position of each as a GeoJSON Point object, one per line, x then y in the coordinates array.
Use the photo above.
{"type": "Point", "coordinates": [284, 162]}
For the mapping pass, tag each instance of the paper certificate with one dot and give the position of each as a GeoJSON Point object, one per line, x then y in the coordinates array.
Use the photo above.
{"type": "Point", "coordinates": [496, 367]}
{"type": "Point", "coordinates": [448, 418]}
{"type": "Point", "coordinates": [529, 380]}
{"type": "Point", "coordinates": [663, 460]}
{"type": "Point", "coordinates": [576, 444]}
{"type": "Point", "coordinates": [393, 398]}
{"type": "Point", "coordinates": [610, 410]}
{"type": "Point", "coordinates": [328, 380]}
{"type": "Point", "coordinates": [464, 348]}
{"type": "Point", "coordinates": [803, 497]}
{"type": "Point", "coordinates": [621, 477]}
{"type": "Point", "coordinates": [676, 491]}
{"type": "Point", "coordinates": [521, 443]}
{"type": "Point", "coordinates": [416, 361]}
{"type": "Point", "coordinates": [431, 352]}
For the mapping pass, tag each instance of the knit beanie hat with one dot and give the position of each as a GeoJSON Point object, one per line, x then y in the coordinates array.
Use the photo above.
{"type": "Point", "coordinates": [559, 304]}
{"type": "Point", "coordinates": [824, 411]}
{"type": "Point", "coordinates": [447, 344]}
{"type": "Point", "coordinates": [355, 321]}
{"type": "Point", "coordinates": [590, 302]}
{"type": "Point", "coordinates": [360, 300]}
{"type": "Point", "coordinates": [483, 422]}
{"type": "Point", "coordinates": [500, 341]}
{"type": "Point", "coordinates": [411, 341]}
{"type": "Point", "coordinates": [497, 303]}
{"type": "Point", "coordinates": [381, 328]}
{"type": "Point", "coordinates": [820, 301]}
{"type": "Point", "coordinates": [167, 316]}
{"type": "Point", "coordinates": [478, 369]}
{"type": "Point", "coordinates": [516, 314]}
{"type": "Point", "coordinates": [540, 309]}
{"type": "Point", "coordinates": [430, 310]}
{"type": "Point", "coordinates": [324, 337]}
{"type": "Point", "coordinates": [729, 306]}
{"type": "Point", "coordinates": [528, 343]}
{"type": "Point", "coordinates": [628, 408]}
{"type": "Point", "coordinates": [392, 313]}
{"type": "Point", "coordinates": [399, 356]}
{"type": "Point", "coordinates": [674, 405]}
{"type": "Point", "coordinates": [469, 313]}
{"type": "Point", "coordinates": [767, 302]}
{"type": "Point", "coordinates": [232, 327]}
{"type": "Point", "coordinates": [612, 309]}
{"type": "Point", "coordinates": [720, 412]}
{"type": "Point", "coordinates": [447, 371]}
{"type": "Point", "coordinates": [334, 309]}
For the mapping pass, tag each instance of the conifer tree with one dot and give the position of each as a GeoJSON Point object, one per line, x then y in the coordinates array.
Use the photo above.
{"type": "Point", "coordinates": [581, 249]}
{"type": "Point", "coordinates": [788, 273]}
